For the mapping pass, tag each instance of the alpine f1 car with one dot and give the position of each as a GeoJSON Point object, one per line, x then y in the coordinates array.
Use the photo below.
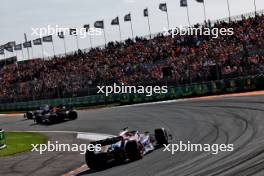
{"type": "Point", "coordinates": [49, 114]}
{"type": "Point", "coordinates": [127, 146]}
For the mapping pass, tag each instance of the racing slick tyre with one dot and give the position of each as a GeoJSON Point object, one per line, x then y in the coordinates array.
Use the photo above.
{"type": "Point", "coordinates": [73, 115]}
{"type": "Point", "coordinates": [161, 136]}
{"type": "Point", "coordinates": [54, 119]}
{"type": "Point", "coordinates": [29, 115]}
{"type": "Point", "coordinates": [95, 161]}
{"type": "Point", "coordinates": [133, 150]}
{"type": "Point", "coordinates": [38, 120]}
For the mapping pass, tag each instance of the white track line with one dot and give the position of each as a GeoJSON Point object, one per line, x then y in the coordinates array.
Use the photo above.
{"type": "Point", "coordinates": [80, 135]}
{"type": "Point", "coordinates": [210, 97]}
{"type": "Point", "coordinates": [93, 136]}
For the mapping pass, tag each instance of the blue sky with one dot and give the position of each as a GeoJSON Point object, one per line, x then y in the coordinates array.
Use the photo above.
{"type": "Point", "coordinates": [18, 17]}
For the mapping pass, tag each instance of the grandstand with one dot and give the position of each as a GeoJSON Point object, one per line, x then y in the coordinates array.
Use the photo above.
{"type": "Point", "coordinates": [192, 59]}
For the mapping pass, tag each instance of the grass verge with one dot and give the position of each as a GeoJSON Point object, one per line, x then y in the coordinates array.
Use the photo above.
{"type": "Point", "coordinates": [18, 142]}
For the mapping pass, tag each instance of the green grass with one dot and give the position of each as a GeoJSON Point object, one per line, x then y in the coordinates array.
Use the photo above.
{"type": "Point", "coordinates": [18, 142]}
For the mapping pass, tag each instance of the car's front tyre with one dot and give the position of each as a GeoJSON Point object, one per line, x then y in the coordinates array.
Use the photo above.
{"type": "Point", "coordinates": [161, 136]}
{"type": "Point", "coordinates": [29, 115]}
{"type": "Point", "coordinates": [73, 115]}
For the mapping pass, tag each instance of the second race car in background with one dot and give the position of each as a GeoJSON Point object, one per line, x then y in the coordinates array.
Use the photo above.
{"type": "Point", "coordinates": [49, 114]}
{"type": "Point", "coordinates": [128, 145]}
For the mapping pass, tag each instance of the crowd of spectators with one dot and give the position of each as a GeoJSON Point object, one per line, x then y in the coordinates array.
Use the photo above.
{"type": "Point", "coordinates": [140, 61]}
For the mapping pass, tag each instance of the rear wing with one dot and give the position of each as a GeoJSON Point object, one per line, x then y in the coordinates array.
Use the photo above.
{"type": "Point", "coordinates": [108, 141]}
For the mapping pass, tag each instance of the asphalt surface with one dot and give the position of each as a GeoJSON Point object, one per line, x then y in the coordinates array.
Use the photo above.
{"type": "Point", "coordinates": [235, 120]}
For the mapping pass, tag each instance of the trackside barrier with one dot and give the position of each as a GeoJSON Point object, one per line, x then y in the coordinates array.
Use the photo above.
{"type": "Point", "coordinates": [2, 139]}
{"type": "Point", "coordinates": [209, 88]}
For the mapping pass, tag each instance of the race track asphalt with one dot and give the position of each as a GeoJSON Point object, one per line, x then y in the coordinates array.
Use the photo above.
{"type": "Point", "coordinates": [235, 120]}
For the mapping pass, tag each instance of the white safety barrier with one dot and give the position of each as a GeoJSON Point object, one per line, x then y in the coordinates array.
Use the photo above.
{"type": "Point", "coordinates": [2, 139]}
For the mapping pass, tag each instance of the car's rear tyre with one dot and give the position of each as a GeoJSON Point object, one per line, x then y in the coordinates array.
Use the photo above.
{"type": "Point", "coordinates": [133, 150]}
{"type": "Point", "coordinates": [161, 136]}
{"type": "Point", "coordinates": [54, 119]}
{"type": "Point", "coordinates": [38, 120]}
{"type": "Point", "coordinates": [95, 161]}
{"type": "Point", "coordinates": [73, 115]}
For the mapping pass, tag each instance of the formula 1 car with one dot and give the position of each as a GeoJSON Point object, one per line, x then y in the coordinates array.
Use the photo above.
{"type": "Point", "coordinates": [49, 114]}
{"type": "Point", "coordinates": [32, 114]}
{"type": "Point", "coordinates": [127, 146]}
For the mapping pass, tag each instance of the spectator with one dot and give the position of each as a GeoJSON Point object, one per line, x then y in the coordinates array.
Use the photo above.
{"type": "Point", "coordinates": [139, 62]}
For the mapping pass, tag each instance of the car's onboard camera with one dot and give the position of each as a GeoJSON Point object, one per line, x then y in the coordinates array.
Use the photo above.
{"type": "Point", "coordinates": [52, 114]}
{"type": "Point", "coordinates": [127, 146]}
